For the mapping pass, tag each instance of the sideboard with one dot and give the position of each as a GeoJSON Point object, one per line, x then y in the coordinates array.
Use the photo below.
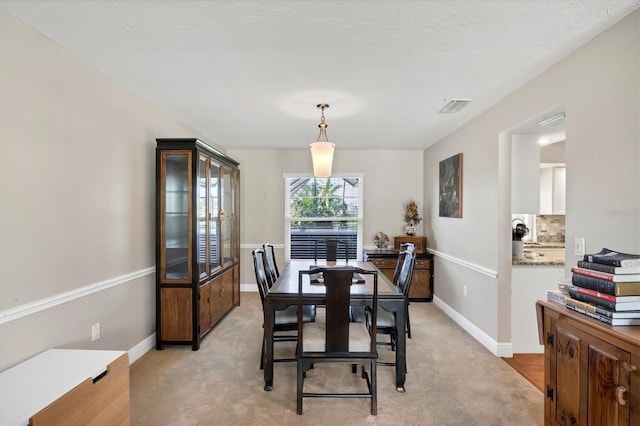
{"type": "Point", "coordinates": [422, 282]}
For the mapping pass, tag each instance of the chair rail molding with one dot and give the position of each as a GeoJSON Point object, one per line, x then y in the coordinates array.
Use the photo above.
{"type": "Point", "coordinates": [481, 269]}
{"type": "Point", "coordinates": [30, 308]}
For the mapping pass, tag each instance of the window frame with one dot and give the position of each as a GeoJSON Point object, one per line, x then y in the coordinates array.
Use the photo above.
{"type": "Point", "coordinates": [288, 218]}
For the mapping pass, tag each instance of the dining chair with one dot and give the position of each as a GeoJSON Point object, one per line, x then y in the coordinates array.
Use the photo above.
{"type": "Point", "coordinates": [331, 249]}
{"type": "Point", "coordinates": [337, 339]}
{"type": "Point", "coordinates": [270, 265]}
{"type": "Point", "coordinates": [285, 328]}
{"type": "Point", "coordinates": [386, 321]}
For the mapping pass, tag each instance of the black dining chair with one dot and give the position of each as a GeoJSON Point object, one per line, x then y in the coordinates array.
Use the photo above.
{"type": "Point", "coordinates": [337, 339]}
{"type": "Point", "coordinates": [270, 265]}
{"type": "Point", "coordinates": [332, 249]}
{"type": "Point", "coordinates": [285, 328]}
{"type": "Point", "coordinates": [386, 321]}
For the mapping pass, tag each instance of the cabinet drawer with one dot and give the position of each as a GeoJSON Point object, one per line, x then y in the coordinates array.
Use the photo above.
{"type": "Point", "coordinates": [422, 264]}
{"type": "Point", "coordinates": [385, 263]}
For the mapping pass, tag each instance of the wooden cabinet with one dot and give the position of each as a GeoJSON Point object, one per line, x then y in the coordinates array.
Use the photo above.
{"type": "Point", "coordinates": [67, 387]}
{"type": "Point", "coordinates": [197, 240]}
{"type": "Point", "coordinates": [422, 281]}
{"type": "Point", "coordinates": [592, 370]}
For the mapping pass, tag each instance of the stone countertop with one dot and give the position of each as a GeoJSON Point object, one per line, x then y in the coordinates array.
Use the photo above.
{"type": "Point", "coordinates": [541, 253]}
{"type": "Point", "coordinates": [534, 245]}
{"type": "Point", "coordinates": [541, 261]}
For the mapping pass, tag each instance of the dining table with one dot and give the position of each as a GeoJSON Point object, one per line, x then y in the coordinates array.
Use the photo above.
{"type": "Point", "coordinates": [284, 293]}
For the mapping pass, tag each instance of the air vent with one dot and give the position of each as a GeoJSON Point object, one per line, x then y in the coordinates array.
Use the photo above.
{"type": "Point", "coordinates": [454, 105]}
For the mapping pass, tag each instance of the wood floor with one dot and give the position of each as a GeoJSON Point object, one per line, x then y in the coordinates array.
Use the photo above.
{"type": "Point", "coordinates": [531, 366]}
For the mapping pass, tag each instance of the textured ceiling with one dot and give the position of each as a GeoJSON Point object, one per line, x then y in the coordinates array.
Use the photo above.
{"type": "Point", "coordinates": [248, 74]}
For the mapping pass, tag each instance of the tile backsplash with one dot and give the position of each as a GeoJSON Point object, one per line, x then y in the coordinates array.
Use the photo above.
{"type": "Point", "coordinates": [550, 228]}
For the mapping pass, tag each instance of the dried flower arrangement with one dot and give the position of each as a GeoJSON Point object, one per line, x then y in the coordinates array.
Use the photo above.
{"type": "Point", "coordinates": [411, 215]}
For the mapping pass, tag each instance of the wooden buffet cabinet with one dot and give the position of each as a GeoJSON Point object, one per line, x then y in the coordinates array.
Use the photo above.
{"type": "Point", "coordinates": [422, 281]}
{"type": "Point", "coordinates": [197, 240]}
{"type": "Point", "coordinates": [591, 369]}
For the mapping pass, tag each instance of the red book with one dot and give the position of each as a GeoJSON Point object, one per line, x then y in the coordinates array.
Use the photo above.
{"type": "Point", "coordinates": [616, 278]}
{"type": "Point", "coordinates": [608, 297]}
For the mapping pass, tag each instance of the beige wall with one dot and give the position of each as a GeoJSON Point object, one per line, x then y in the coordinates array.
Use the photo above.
{"type": "Point", "coordinates": [77, 156]}
{"type": "Point", "coordinates": [599, 87]}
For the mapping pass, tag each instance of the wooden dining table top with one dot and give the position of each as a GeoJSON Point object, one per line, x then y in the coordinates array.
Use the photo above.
{"type": "Point", "coordinates": [287, 283]}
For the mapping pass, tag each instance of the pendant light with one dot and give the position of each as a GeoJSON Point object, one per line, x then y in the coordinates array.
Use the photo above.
{"type": "Point", "coordinates": [322, 149]}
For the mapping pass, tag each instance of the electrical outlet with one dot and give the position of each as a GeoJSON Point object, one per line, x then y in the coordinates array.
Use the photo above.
{"type": "Point", "coordinates": [464, 290]}
{"type": "Point", "coordinates": [578, 246]}
{"type": "Point", "coordinates": [95, 332]}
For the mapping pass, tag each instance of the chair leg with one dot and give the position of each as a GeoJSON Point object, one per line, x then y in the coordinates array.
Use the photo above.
{"type": "Point", "coordinates": [264, 343]}
{"type": "Point", "coordinates": [374, 388]}
{"type": "Point", "coordinates": [408, 324]}
{"type": "Point", "coordinates": [299, 387]}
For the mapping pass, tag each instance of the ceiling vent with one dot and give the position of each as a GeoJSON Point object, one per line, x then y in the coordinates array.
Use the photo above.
{"type": "Point", "coordinates": [454, 105]}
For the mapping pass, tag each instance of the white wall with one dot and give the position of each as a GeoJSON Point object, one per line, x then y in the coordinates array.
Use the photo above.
{"type": "Point", "coordinates": [599, 86]}
{"type": "Point", "coordinates": [77, 171]}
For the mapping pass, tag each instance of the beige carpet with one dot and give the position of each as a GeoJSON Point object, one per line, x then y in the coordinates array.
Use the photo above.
{"type": "Point", "coordinates": [451, 380]}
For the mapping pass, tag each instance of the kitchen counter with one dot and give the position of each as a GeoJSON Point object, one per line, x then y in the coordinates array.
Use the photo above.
{"type": "Point", "coordinates": [541, 254]}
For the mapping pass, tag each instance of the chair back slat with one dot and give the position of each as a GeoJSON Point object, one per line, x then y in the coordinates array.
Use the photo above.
{"type": "Point", "coordinates": [261, 276]}
{"type": "Point", "coordinates": [331, 249]}
{"type": "Point", "coordinates": [270, 265]}
{"type": "Point", "coordinates": [338, 285]}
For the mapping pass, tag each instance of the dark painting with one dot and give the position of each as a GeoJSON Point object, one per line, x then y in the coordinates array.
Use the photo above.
{"type": "Point", "coordinates": [451, 186]}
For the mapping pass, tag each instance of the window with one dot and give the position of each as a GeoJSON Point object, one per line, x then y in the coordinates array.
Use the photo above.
{"type": "Point", "coordinates": [319, 208]}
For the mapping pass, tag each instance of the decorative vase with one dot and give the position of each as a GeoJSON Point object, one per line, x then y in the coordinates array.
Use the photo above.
{"type": "Point", "coordinates": [410, 230]}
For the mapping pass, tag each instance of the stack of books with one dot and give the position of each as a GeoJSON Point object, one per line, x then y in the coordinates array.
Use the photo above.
{"type": "Point", "coordinates": [604, 286]}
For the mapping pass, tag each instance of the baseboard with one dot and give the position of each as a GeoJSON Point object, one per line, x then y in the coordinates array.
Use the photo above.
{"type": "Point", "coordinates": [251, 288]}
{"type": "Point", "coordinates": [503, 350]}
{"type": "Point", "coordinates": [142, 348]}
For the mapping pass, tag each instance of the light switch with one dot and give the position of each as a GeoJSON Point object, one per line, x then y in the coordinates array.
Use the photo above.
{"type": "Point", "coordinates": [578, 246]}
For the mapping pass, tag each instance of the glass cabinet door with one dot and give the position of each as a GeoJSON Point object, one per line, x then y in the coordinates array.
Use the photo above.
{"type": "Point", "coordinates": [175, 238]}
{"type": "Point", "coordinates": [235, 215]}
{"type": "Point", "coordinates": [214, 216]}
{"type": "Point", "coordinates": [227, 215]}
{"type": "Point", "coordinates": [203, 169]}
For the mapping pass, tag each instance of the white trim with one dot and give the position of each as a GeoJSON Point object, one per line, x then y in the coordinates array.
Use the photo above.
{"type": "Point", "coordinates": [503, 350]}
{"type": "Point", "coordinates": [249, 288]}
{"type": "Point", "coordinates": [485, 271]}
{"type": "Point", "coordinates": [20, 311]}
{"type": "Point", "coordinates": [141, 348]}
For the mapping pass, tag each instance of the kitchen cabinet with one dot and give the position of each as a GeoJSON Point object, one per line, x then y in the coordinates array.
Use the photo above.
{"type": "Point", "coordinates": [553, 190]}
{"type": "Point", "coordinates": [421, 289]}
{"type": "Point", "coordinates": [525, 174]}
{"type": "Point", "coordinates": [591, 371]}
{"type": "Point", "coordinates": [197, 240]}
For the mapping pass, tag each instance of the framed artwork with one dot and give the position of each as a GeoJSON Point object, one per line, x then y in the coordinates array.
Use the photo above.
{"type": "Point", "coordinates": [451, 187]}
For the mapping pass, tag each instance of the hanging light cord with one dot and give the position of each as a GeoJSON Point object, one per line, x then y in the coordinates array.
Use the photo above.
{"type": "Point", "coordinates": [323, 126]}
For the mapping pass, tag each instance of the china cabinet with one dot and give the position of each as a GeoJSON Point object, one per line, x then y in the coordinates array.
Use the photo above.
{"type": "Point", "coordinates": [197, 240]}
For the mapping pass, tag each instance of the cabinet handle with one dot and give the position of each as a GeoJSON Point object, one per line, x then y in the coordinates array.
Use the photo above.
{"type": "Point", "coordinates": [221, 216]}
{"type": "Point", "coordinates": [620, 391]}
{"type": "Point", "coordinates": [630, 368]}
{"type": "Point", "coordinates": [221, 291]}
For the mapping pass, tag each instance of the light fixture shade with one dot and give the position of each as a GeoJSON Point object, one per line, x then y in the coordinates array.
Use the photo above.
{"type": "Point", "coordinates": [322, 157]}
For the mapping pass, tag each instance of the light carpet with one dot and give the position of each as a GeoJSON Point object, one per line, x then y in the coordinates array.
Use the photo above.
{"type": "Point", "coordinates": [451, 380]}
